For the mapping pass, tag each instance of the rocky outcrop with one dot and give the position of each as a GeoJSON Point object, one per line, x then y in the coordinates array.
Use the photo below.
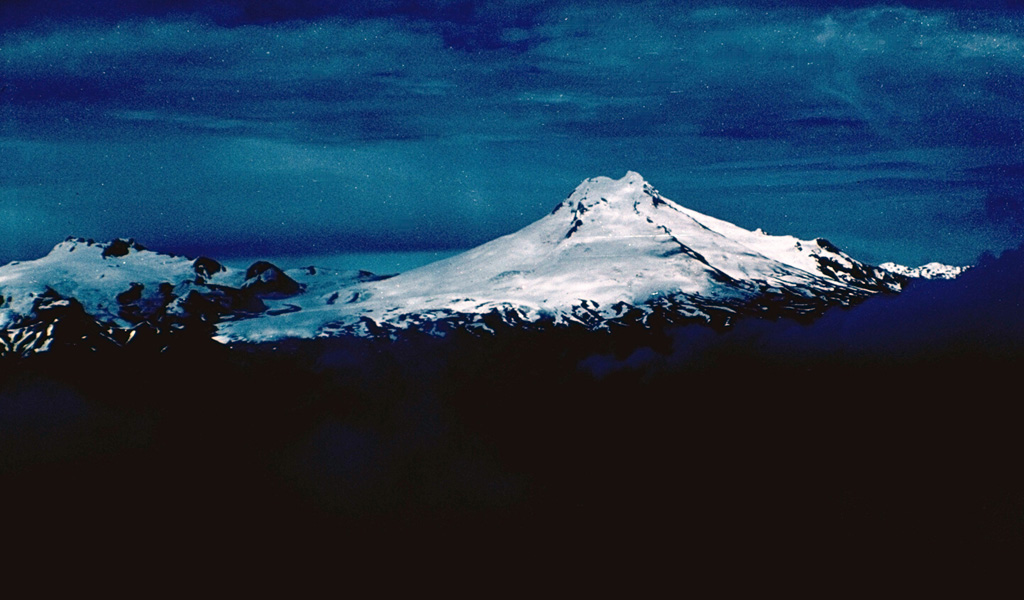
{"type": "Point", "coordinates": [266, 280]}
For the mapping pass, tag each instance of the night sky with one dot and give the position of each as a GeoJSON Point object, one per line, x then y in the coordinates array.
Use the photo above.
{"type": "Point", "coordinates": [245, 127]}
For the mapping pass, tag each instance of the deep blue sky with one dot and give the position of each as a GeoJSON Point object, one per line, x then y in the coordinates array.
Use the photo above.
{"type": "Point", "coordinates": [274, 127]}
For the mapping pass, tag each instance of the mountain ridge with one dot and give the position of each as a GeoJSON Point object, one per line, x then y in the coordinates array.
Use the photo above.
{"type": "Point", "coordinates": [614, 253]}
{"type": "Point", "coordinates": [612, 248]}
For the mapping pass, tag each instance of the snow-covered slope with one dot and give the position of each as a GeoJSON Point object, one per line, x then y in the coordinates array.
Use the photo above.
{"type": "Point", "coordinates": [615, 251]}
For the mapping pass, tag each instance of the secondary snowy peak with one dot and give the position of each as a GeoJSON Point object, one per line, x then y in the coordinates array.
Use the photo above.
{"type": "Point", "coordinates": [92, 273]}
{"type": "Point", "coordinates": [89, 294]}
{"type": "Point", "coordinates": [932, 270]}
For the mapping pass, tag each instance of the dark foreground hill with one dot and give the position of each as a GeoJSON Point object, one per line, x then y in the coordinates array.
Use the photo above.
{"type": "Point", "coordinates": [883, 438]}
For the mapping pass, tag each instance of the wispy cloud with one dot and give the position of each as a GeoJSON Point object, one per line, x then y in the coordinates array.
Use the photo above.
{"type": "Point", "coordinates": [881, 72]}
{"type": "Point", "coordinates": [522, 96]}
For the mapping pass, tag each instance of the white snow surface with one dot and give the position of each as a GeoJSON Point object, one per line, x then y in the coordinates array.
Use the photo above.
{"type": "Point", "coordinates": [610, 241]}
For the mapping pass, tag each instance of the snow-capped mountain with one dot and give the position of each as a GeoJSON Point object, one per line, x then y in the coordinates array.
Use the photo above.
{"type": "Point", "coordinates": [614, 253]}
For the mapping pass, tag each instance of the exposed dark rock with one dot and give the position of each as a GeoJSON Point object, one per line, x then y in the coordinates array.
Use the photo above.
{"type": "Point", "coordinates": [206, 267]}
{"type": "Point", "coordinates": [258, 267]}
{"type": "Point", "coordinates": [137, 306]}
{"type": "Point", "coordinates": [656, 199]}
{"type": "Point", "coordinates": [132, 309]}
{"type": "Point", "coordinates": [197, 305]}
{"type": "Point", "coordinates": [575, 227]}
{"type": "Point", "coordinates": [861, 275]}
{"type": "Point", "coordinates": [229, 299]}
{"type": "Point", "coordinates": [166, 290]}
{"type": "Point", "coordinates": [57, 324]}
{"type": "Point", "coordinates": [121, 247]}
{"type": "Point", "coordinates": [265, 279]}
{"type": "Point", "coordinates": [133, 294]}
{"type": "Point", "coordinates": [827, 245]}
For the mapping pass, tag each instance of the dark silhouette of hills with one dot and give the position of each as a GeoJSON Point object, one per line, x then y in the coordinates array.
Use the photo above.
{"type": "Point", "coordinates": [883, 434]}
